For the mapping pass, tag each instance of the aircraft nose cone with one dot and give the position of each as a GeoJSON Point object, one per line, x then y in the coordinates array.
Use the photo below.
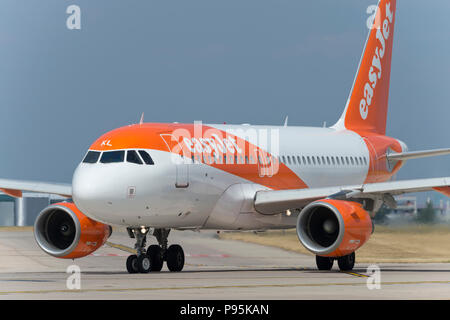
{"type": "Point", "coordinates": [84, 186]}
{"type": "Point", "coordinates": [92, 189]}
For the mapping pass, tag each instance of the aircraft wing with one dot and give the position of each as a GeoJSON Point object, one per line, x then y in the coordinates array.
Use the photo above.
{"type": "Point", "coordinates": [276, 201]}
{"type": "Point", "coordinates": [15, 187]}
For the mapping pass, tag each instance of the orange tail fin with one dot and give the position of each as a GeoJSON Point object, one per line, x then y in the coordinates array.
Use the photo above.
{"type": "Point", "coordinates": [367, 106]}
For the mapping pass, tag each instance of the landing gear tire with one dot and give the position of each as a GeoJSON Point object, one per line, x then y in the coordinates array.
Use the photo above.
{"type": "Point", "coordinates": [346, 263]}
{"type": "Point", "coordinates": [324, 263]}
{"type": "Point", "coordinates": [143, 263]}
{"type": "Point", "coordinates": [175, 258]}
{"type": "Point", "coordinates": [156, 259]}
{"type": "Point", "coordinates": [132, 266]}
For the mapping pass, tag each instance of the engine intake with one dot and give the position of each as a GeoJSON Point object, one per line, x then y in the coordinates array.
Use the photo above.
{"type": "Point", "coordinates": [62, 231]}
{"type": "Point", "coordinates": [333, 228]}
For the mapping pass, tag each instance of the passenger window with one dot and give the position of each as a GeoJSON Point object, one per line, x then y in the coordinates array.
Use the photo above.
{"type": "Point", "coordinates": [112, 156]}
{"type": "Point", "coordinates": [146, 157]}
{"type": "Point", "coordinates": [91, 157]}
{"type": "Point", "coordinates": [133, 157]}
{"type": "Point", "coordinates": [318, 160]}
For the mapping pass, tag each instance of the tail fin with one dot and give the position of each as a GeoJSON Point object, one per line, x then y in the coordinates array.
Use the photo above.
{"type": "Point", "coordinates": [367, 105]}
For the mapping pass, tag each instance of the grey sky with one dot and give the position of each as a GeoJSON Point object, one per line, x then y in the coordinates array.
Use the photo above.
{"type": "Point", "coordinates": [238, 61]}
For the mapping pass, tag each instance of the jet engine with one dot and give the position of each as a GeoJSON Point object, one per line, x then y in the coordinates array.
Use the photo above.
{"type": "Point", "coordinates": [333, 228]}
{"type": "Point", "coordinates": [63, 231]}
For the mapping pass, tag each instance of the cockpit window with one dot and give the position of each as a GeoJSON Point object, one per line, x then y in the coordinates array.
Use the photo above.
{"type": "Point", "coordinates": [146, 157]}
{"type": "Point", "coordinates": [133, 157]}
{"type": "Point", "coordinates": [112, 156]}
{"type": "Point", "coordinates": [91, 157]}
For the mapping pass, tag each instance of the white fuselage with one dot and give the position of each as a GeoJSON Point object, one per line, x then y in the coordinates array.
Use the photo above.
{"type": "Point", "coordinates": [210, 197]}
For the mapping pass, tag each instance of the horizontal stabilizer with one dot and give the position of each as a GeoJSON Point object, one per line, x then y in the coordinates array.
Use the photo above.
{"type": "Point", "coordinates": [417, 154]}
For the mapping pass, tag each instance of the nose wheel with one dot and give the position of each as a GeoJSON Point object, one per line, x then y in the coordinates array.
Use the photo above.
{"type": "Point", "coordinates": [152, 259]}
{"type": "Point", "coordinates": [132, 264]}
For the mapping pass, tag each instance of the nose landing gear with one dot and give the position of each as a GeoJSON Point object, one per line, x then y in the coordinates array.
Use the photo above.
{"type": "Point", "coordinates": [153, 258]}
{"type": "Point", "coordinates": [139, 262]}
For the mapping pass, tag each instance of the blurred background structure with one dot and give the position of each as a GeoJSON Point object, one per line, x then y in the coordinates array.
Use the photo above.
{"type": "Point", "coordinates": [23, 211]}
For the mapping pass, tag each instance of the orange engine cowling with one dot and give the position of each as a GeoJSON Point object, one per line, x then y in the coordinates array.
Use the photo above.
{"type": "Point", "coordinates": [61, 230]}
{"type": "Point", "coordinates": [333, 228]}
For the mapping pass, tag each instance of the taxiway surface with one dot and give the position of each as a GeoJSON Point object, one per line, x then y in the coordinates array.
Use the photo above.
{"type": "Point", "coordinates": [214, 269]}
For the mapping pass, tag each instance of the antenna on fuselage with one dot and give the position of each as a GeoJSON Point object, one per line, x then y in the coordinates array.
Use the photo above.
{"type": "Point", "coordinates": [141, 121]}
{"type": "Point", "coordinates": [286, 121]}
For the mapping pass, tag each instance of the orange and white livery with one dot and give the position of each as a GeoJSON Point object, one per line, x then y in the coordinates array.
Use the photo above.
{"type": "Point", "coordinates": [327, 183]}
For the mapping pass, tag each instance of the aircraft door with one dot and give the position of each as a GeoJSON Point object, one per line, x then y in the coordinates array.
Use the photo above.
{"type": "Point", "coordinates": [182, 179]}
{"type": "Point", "coordinates": [181, 162]}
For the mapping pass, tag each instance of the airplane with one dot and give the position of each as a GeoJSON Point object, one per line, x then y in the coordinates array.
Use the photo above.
{"type": "Point", "coordinates": [327, 182]}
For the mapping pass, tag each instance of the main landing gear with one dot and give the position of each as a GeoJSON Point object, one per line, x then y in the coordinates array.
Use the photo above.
{"type": "Point", "coordinates": [346, 263]}
{"type": "Point", "coordinates": [153, 258]}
